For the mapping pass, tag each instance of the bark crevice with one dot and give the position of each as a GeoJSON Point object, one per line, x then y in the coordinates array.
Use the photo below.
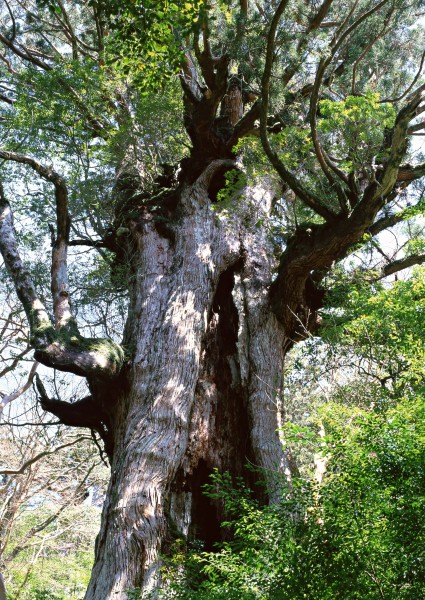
{"type": "Point", "coordinates": [219, 436]}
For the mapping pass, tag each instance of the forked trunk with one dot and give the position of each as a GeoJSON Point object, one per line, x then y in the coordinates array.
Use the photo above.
{"type": "Point", "coordinates": [203, 386]}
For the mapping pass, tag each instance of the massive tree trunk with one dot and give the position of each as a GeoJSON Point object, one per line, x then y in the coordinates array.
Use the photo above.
{"type": "Point", "coordinates": [202, 389]}
{"type": "Point", "coordinates": [197, 384]}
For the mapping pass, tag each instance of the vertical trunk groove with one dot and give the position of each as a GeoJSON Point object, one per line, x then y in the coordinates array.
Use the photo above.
{"type": "Point", "coordinates": [203, 392]}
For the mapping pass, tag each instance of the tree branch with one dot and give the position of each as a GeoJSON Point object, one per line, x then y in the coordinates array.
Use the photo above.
{"type": "Point", "coordinates": [416, 127]}
{"type": "Point", "coordinates": [38, 318]}
{"type": "Point", "coordinates": [64, 348]}
{"type": "Point", "coordinates": [368, 48]}
{"type": "Point", "coordinates": [325, 163]}
{"type": "Point", "coordinates": [399, 143]}
{"type": "Point", "coordinates": [59, 270]}
{"type": "Point", "coordinates": [245, 125]}
{"type": "Point", "coordinates": [400, 265]}
{"type": "Point", "coordinates": [409, 173]}
{"type": "Point", "coordinates": [14, 395]}
{"type": "Point", "coordinates": [91, 243]}
{"type": "Point", "coordinates": [411, 86]}
{"type": "Point", "coordinates": [36, 458]}
{"type": "Point", "coordinates": [308, 198]}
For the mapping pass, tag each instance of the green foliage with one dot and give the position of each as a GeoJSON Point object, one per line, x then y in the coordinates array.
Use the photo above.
{"type": "Point", "coordinates": [235, 181]}
{"type": "Point", "coordinates": [294, 144]}
{"type": "Point", "coordinates": [57, 566]}
{"type": "Point", "coordinates": [150, 35]}
{"type": "Point", "coordinates": [355, 127]}
{"type": "Point", "coordinates": [387, 327]}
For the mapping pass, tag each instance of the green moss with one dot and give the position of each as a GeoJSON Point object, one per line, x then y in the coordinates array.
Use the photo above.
{"type": "Point", "coordinates": [44, 334]}
{"type": "Point", "coordinates": [107, 348]}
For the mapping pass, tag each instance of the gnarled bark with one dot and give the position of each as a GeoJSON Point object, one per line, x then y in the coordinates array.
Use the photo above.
{"type": "Point", "coordinates": [203, 391]}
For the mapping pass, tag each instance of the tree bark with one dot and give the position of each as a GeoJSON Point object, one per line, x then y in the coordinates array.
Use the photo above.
{"type": "Point", "coordinates": [203, 390]}
{"type": "Point", "coordinates": [2, 589]}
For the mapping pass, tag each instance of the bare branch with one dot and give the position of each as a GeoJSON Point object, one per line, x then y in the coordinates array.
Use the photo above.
{"type": "Point", "coordinates": [16, 360]}
{"type": "Point", "coordinates": [11, 397]}
{"type": "Point", "coordinates": [36, 458]}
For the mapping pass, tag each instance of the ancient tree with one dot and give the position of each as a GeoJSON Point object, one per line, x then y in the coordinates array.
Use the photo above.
{"type": "Point", "coordinates": [293, 150]}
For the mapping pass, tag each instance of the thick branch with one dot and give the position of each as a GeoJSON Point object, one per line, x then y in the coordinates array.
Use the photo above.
{"type": "Point", "coordinates": [86, 412]}
{"type": "Point", "coordinates": [386, 223]}
{"type": "Point", "coordinates": [205, 178]}
{"type": "Point", "coordinates": [205, 58]}
{"type": "Point", "coordinates": [189, 80]}
{"type": "Point", "coordinates": [34, 309]}
{"type": "Point", "coordinates": [2, 589]}
{"type": "Point", "coordinates": [401, 264]}
{"type": "Point", "coordinates": [316, 21]}
{"type": "Point", "coordinates": [59, 271]}
{"type": "Point", "coordinates": [64, 349]}
{"type": "Point", "coordinates": [409, 173]}
{"type": "Point", "coordinates": [416, 127]}
{"type": "Point", "coordinates": [398, 144]}
{"type": "Point", "coordinates": [90, 243]}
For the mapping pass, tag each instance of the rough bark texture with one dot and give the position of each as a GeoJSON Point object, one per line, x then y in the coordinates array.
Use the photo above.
{"type": "Point", "coordinates": [2, 589]}
{"type": "Point", "coordinates": [202, 388]}
{"type": "Point", "coordinates": [211, 316]}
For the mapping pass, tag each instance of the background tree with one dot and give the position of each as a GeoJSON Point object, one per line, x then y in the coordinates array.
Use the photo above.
{"type": "Point", "coordinates": [49, 479]}
{"type": "Point", "coordinates": [306, 111]}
